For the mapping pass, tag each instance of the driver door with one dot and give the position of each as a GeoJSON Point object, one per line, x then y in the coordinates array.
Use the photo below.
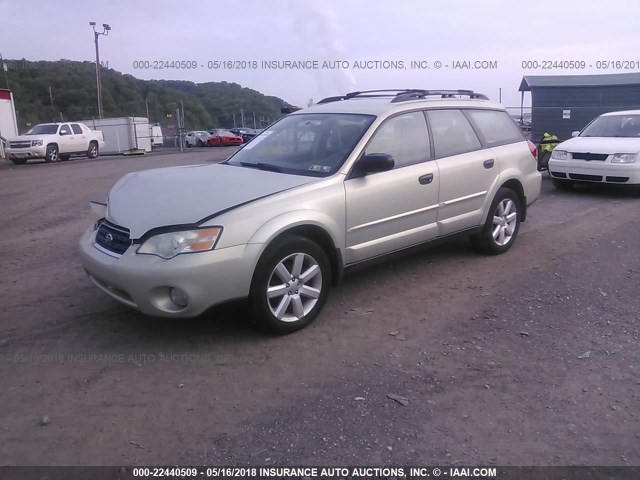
{"type": "Point", "coordinates": [391, 210]}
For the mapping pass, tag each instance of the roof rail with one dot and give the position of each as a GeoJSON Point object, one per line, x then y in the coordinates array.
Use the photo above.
{"type": "Point", "coordinates": [403, 95]}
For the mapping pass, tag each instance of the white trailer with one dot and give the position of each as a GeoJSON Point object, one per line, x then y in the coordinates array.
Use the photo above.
{"type": "Point", "coordinates": [155, 132]}
{"type": "Point", "coordinates": [123, 135]}
{"type": "Point", "coordinates": [8, 119]}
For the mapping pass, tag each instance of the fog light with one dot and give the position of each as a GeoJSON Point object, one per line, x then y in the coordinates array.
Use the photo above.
{"type": "Point", "coordinates": [179, 297]}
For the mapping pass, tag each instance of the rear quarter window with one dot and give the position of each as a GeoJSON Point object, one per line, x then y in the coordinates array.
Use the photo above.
{"type": "Point", "coordinates": [494, 127]}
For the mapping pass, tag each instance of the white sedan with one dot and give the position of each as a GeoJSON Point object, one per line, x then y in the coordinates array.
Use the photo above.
{"type": "Point", "coordinates": [197, 138]}
{"type": "Point", "coordinates": [607, 150]}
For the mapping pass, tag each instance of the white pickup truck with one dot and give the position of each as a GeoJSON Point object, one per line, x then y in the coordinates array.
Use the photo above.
{"type": "Point", "coordinates": [55, 142]}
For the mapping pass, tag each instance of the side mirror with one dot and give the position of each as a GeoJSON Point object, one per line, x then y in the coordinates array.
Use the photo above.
{"type": "Point", "coordinates": [576, 133]}
{"type": "Point", "coordinates": [374, 163]}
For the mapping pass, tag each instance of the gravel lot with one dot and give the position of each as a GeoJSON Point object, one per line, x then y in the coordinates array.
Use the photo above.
{"type": "Point", "coordinates": [529, 358]}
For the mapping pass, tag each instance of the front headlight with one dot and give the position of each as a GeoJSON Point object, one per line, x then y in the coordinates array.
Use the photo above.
{"type": "Point", "coordinates": [168, 245]}
{"type": "Point", "coordinates": [559, 155]}
{"type": "Point", "coordinates": [624, 158]}
{"type": "Point", "coordinates": [36, 143]}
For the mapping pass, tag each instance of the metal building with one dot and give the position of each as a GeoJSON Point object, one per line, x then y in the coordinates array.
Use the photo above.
{"type": "Point", "coordinates": [562, 104]}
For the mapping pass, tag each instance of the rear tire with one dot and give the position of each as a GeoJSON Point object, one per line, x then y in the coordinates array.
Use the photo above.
{"type": "Point", "coordinates": [93, 150]}
{"type": "Point", "coordinates": [199, 143]}
{"type": "Point", "coordinates": [51, 155]}
{"type": "Point", "coordinates": [503, 223]}
{"type": "Point", "coordinates": [562, 185]}
{"type": "Point", "coordinates": [290, 285]}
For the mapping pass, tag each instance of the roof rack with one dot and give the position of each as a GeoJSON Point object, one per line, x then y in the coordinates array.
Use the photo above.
{"type": "Point", "coordinates": [403, 95]}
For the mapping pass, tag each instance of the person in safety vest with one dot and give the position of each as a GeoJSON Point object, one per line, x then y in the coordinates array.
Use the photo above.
{"type": "Point", "coordinates": [546, 146]}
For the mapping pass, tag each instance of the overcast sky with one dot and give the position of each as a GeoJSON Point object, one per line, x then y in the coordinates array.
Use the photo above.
{"type": "Point", "coordinates": [503, 31]}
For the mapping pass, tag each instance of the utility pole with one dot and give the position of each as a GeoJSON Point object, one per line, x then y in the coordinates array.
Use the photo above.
{"type": "Point", "coordinates": [51, 100]}
{"type": "Point", "coordinates": [179, 128]}
{"type": "Point", "coordinates": [96, 34]}
{"type": "Point", "coordinates": [254, 120]}
{"type": "Point", "coordinates": [234, 120]}
{"type": "Point", "coordinates": [242, 117]}
{"type": "Point", "coordinates": [146, 104]}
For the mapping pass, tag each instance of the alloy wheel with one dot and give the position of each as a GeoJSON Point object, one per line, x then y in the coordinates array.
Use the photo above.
{"type": "Point", "coordinates": [505, 219]}
{"type": "Point", "coordinates": [294, 287]}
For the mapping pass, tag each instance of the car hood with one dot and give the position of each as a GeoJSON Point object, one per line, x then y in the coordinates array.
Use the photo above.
{"type": "Point", "coordinates": [141, 201]}
{"type": "Point", "coordinates": [607, 145]}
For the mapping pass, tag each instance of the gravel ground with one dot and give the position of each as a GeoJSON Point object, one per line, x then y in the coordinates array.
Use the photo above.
{"type": "Point", "coordinates": [440, 357]}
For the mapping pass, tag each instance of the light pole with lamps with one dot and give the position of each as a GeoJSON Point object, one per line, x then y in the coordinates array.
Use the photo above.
{"type": "Point", "coordinates": [96, 34]}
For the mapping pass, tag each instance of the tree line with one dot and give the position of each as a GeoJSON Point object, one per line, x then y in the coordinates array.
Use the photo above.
{"type": "Point", "coordinates": [46, 91]}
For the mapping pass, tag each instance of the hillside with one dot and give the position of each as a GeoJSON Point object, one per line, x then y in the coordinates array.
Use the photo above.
{"type": "Point", "coordinates": [73, 87]}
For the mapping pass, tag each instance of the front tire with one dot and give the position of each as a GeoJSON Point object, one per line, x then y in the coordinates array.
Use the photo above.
{"type": "Point", "coordinates": [502, 226]}
{"type": "Point", "coordinates": [51, 155]}
{"type": "Point", "coordinates": [93, 150]}
{"type": "Point", "coordinates": [290, 285]}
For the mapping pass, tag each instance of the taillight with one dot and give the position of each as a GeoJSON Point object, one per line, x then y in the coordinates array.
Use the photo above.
{"type": "Point", "coordinates": [533, 149]}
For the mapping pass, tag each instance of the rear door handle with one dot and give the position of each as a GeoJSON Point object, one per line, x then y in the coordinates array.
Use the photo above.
{"type": "Point", "coordinates": [489, 163]}
{"type": "Point", "coordinates": [426, 179]}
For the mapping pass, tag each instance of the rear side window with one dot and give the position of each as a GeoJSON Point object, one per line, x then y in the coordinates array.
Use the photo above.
{"type": "Point", "coordinates": [76, 128]}
{"type": "Point", "coordinates": [452, 133]}
{"type": "Point", "coordinates": [404, 137]}
{"type": "Point", "coordinates": [495, 127]}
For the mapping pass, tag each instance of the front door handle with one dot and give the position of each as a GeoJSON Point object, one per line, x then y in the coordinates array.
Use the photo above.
{"type": "Point", "coordinates": [489, 163]}
{"type": "Point", "coordinates": [426, 179]}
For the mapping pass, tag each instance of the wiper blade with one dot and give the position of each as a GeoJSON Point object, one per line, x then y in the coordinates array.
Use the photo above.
{"type": "Point", "coordinates": [262, 166]}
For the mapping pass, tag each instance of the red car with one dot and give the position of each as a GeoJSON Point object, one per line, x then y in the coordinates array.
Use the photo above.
{"type": "Point", "coordinates": [222, 138]}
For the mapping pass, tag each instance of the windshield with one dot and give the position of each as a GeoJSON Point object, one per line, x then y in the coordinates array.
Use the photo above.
{"type": "Point", "coordinates": [613, 126]}
{"type": "Point", "coordinates": [46, 129]}
{"type": "Point", "coordinates": [305, 144]}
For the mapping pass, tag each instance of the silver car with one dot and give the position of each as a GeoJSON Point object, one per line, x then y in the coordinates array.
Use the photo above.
{"type": "Point", "coordinates": [321, 191]}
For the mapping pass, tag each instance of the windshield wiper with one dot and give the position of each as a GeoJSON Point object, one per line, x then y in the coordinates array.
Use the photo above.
{"type": "Point", "coordinates": [262, 166]}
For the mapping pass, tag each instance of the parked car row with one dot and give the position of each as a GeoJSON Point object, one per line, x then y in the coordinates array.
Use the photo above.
{"type": "Point", "coordinates": [220, 137]}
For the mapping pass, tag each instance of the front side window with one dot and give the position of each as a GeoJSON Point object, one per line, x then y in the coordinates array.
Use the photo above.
{"type": "Point", "coordinates": [452, 133]}
{"type": "Point", "coordinates": [305, 144]}
{"type": "Point", "coordinates": [404, 137]}
{"type": "Point", "coordinates": [496, 127]}
{"type": "Point", "coordinates": [613, 126]}
{"type": "Point", "coordinates": [65, 130]}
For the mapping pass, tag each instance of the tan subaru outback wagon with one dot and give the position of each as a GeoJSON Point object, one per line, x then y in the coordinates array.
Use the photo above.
{"type": "Point", "coordinates": [322, 190]}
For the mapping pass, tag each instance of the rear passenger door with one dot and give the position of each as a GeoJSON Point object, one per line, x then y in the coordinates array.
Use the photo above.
{"type": "Point", "coordinates": [391, 210]}
{"type": "Point", "coordinates": [80, 140]}
{"type": "Point", "coordinates": [467, 170]}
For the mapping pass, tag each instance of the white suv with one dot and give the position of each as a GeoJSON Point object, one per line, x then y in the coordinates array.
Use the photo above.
{"type": "Point", "coordinates": [54, 142]}
{"type": "Point", "coordinates": [320, 191]}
